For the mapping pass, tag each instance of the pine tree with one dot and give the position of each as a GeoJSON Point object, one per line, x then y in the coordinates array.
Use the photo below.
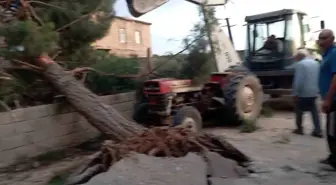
{"type": "Point", "coordinates": [41, 34]}
{"type": "Point", "coordinates": [62, 27]}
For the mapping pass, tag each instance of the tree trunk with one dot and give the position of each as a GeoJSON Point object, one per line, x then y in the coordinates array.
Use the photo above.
{"type": "Point", "coordinates": [104, 117]}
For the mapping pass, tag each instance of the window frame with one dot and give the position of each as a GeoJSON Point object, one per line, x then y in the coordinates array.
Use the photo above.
{"type": "Point", "coordinates": [139, 37]}
{"type": "Point", "coordinates": [122, 35]}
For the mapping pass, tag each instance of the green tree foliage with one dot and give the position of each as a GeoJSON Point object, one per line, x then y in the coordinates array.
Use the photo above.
{"type": "Point", "coordinates": [65, 26]}
{"type": "Point", "coordinates": [198, 65]}
{"type": "Point", "coordinates": [169, 66]}
{"type": "Point", "coordinates": [105, 84]}
{"type": "Point", "coordinates": [64, 29]}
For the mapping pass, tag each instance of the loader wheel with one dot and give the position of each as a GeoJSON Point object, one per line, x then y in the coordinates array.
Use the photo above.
{"type": "Point", "coordinates": [243, 96]}
{"type": "Point", "coordinates": [188, 117]}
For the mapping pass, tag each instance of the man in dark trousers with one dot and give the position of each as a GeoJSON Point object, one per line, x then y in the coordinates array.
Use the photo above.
{"type": "Point", "coordinates": [327, 85]}
{"type": "Point", "coordinates": [305, 90]}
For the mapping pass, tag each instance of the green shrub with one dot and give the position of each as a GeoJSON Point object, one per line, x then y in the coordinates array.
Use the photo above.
{"type": "Point", "coordinates": [249, 126]}
{"type": "Point", "coordinates": [109, 84]}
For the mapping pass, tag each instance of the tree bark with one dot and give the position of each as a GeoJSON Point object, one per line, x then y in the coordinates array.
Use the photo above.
{"type": "Point", "coordinates": [102, 116]}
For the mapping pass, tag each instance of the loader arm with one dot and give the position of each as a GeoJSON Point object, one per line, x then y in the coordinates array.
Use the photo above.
{"type": "Point", "coordinates": [224, 51]}
{"type": "Point", "coordinates": [140, 7]}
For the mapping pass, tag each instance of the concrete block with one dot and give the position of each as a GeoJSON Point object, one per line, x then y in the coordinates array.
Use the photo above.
{"type": "Point", "coordinates": [32, 112]}
{"type": "Point", "coordinates": [17, 128]}
{"type": "Point", "coordinates": [142, 169]}
{"type": "Point", "coordinates": [67, 118]}
{"type": "Point", "coordinates": [118, 98]}
{"type": "Point", "coordinates": [77, 138]}
{"type": "Point", "coordinates": [53, 132]}
{"type": "Point", "coordinates": [7, 131]}
{"type": "Point", "coordinates": [125, 106]}
{"type": "Point", "coordinates": [32, 131]}
{"type": "Point", "coordinates": [38, 136]}
{"type": "Point", "coordinates": [219, 166]}
{"type": "Point", "coordinates": [51, 121]}
{"type": "Point", "coordinates": [64, 141]}
{"type": "Point", "coordinates": [84, 124]}
{"type": "Point", "coordinates": [128, 114]}
{"type": "Point", "coordinates": [63, 108]}
{"type": "Point", "coordinates": [50, 144]}
{"type": "Point", "coordinates": [5, 118]}
{"type": "Point", "coordinates": [8, 157]}
{"type": "Point", "coordinates": [14, 142]}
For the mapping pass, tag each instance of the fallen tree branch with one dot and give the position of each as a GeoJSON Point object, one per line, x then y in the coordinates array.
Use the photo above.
{"type": "Point", "coordinates": [34, 15]}
{"type": "Point", "coordinates": [26, 64]}
{"type": "Point", "coordinates": [46, 4]}
{"type": "Point", "coordinates": [56, 55]}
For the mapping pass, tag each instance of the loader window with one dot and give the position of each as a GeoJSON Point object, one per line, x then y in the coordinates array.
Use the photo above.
{"type": "Point", "coordinates": [258, 36]}
{"type": "Point", "coordinates": [259, 32]}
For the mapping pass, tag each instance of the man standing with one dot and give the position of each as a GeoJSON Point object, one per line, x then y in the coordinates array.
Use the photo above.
{"type": "Point", "coordinates": [305, 90]}
{"type": "Point", "coordinates": [327, 84]}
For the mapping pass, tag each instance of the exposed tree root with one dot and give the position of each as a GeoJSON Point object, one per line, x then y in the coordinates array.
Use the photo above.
{"type": "Point", "coordinates": [158, 142]}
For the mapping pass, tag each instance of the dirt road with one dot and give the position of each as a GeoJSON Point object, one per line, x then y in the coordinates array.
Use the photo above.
{"type": "Point", "coordinates": [279, 154]}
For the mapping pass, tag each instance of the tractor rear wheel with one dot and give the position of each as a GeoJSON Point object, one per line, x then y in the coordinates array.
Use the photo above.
{"type": "Point", "coordinates": [188, 117]}
{"type": "Point", "coordinates": [243, 97]}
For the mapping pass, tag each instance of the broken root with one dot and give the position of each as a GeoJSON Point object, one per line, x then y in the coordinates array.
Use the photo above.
{"type": "Point", "coordinates": [158, 142]}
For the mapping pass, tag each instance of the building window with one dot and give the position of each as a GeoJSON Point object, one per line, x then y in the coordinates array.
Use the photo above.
{"type": "Point", "coordinates": [122, 35]}
{"type": "Point", "coordinates": [137, 36]}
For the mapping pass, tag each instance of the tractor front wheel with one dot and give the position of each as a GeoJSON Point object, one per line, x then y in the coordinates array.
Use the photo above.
{"type": "Point", "coordinates": [140, 113]}
{"type": "Point", "coordinates": [188, 117]}
{"type": "Point", "coordinates": [243, 96]}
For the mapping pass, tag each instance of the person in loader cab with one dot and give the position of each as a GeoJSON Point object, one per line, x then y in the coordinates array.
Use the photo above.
{"type": "Point", "coordinates": [270, 44]}
{"type": "Point", "coordinates": [306, 70]}
{"type": "Point", "coordinates": [327, 85]}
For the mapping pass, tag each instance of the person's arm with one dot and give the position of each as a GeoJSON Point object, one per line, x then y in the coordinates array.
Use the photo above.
{"type": "Point", "coordinates": [298, 79]}
{"type": "Point", "coordinates": [332, 88]}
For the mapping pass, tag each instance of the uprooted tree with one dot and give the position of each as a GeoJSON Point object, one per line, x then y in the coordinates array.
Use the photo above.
{"type": "Point", "coordinates": [40, 34]}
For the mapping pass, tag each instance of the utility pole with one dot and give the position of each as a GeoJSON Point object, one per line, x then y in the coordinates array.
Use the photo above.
{"type": "Point", "coordinates": [229, 26]}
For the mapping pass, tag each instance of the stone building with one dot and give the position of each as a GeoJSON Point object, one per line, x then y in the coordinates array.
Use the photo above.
{"type": "Point", "coordinates": [127, 37]}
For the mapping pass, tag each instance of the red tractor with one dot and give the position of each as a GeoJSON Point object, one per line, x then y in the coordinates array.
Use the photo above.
{"type": "Point", "coordinates": [233, 97]}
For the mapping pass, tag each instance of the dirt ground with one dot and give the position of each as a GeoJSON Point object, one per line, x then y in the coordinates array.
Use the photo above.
{"type": "Point", "coordinates": [275, 150]}
{"type": "Point", "coordinates": [279, 154]}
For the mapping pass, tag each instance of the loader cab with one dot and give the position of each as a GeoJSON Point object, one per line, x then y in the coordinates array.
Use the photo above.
{"type": "Point", "coordinates": [273, 37]}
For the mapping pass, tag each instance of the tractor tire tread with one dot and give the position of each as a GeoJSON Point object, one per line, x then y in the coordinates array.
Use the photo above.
{"type": "Point", "coordinates": [230, 93]}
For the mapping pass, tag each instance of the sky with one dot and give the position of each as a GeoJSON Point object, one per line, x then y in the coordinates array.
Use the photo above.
{"type": "Point", "coordinates": [173, 21]}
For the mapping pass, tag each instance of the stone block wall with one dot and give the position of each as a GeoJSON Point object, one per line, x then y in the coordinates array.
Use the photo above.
{"type": "Point", "coordinates": [29, 132]}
